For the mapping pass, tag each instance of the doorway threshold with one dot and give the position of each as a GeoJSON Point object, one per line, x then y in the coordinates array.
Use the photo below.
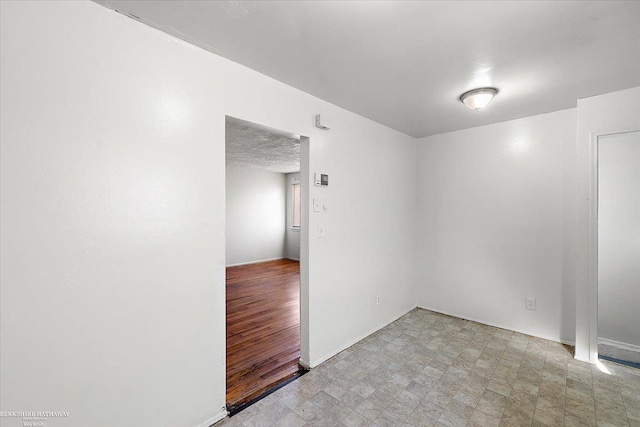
{"type": "Point", "coordinates": [619, 361]}
{"type": "Point", "coordinates": [234, 409]}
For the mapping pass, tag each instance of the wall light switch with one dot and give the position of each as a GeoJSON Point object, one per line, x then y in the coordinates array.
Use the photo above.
{"type": "Point", "coordinates": [321, 232]}
{"type": "Point", "coordinates": [317, 179]}
{"type": "Point", "coordinates": [316, 205]}
{"type": "Point", "coordinates": [531, 303]}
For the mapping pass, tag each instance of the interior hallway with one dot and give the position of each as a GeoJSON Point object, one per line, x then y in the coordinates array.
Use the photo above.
{"type": "Point", "coordinates": [429, 369]}
{"type": "Point", "coordinates": [263, 327]}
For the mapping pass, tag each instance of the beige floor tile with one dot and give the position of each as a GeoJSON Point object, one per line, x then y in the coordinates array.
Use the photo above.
{"type": "Point", "coordinates": [547, 419]}
{"type": "Point", "coordinates": [492, 403]}
{"type": "Point", "coordinates": [460, 409]}
{"type": "Point", "coordinates": [387, 419]}
{"type": "Point", "coordinates": [514, 419]}
{"type": "Point", "coordinates": [579, 408]}
{"type": "Point", "coordinates": [500, 387]}
{"type": "Point", "coordinates": [290, 420]}
{"type": "Point", "coordinates": [578, 421]}
{"type": "Point", "coordinates": [452, 420]}
{"type": "Point", "coordinates": [354, 419]}
{"type": "Point", "coordinates": [482, 419]}
{"type": "Point", "coordinates": [369, 409]}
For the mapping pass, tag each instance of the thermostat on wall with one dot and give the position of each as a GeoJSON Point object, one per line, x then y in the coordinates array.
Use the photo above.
{"type": "Point", "coordinates": [321, 179]}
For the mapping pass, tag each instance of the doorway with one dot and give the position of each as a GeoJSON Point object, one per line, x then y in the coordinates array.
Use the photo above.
{"type": "Point", "coordinates": [264, 221]}
{"type": "Point", "coordinates": [619, 247]}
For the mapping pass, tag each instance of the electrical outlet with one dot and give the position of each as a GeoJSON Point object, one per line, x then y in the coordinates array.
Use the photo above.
{"type": "Point", "coordinates": [531, 303]}
{"type": "Point", "coordinates": [377, 299]}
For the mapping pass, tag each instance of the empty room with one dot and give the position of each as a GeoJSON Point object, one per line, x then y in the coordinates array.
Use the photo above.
{"type": "Point", "coordinates": [319, 213]}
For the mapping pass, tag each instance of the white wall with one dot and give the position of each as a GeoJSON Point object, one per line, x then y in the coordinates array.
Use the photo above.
{"type": "Point", "coordinates": [619, 238]}
{"type": "Point", "coordinates": [255, 215]}
{"type": "Point", "coordinates": [292, 247]}
{"type": "Point", "coordinates": [496, 223]}
{"type": "Point", "coordinates": [369, 248]}
{"type": "Point", "coordinates": [598, 115]}
{"type": "Point", "coordinates": [112, 217]}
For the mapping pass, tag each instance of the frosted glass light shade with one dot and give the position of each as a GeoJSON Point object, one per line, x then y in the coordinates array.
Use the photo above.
{"type": "Point", "coordinates": [477, 99]}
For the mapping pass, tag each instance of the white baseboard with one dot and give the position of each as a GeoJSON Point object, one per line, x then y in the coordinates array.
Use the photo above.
{"type": "Point", "coordinates": [618, 344]}
{"type": "Point", "coordinates": [619, 350]}
{"type": "Point", "coordinates": [495, 325]}
{"type": "Point", "coordinates": [293, 259]}
{"type": "Point", "coordinates": [328, 356]}
{"type": "Point", "coordinates": [211, 421]}
{"type": "Point", "coordinates": [255, 262]}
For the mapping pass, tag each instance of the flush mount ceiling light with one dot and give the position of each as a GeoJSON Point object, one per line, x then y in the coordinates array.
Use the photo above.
{"type": "Point", "coordinates": [477, 99]}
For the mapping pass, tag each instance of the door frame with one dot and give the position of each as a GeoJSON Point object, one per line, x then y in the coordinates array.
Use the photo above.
{"type": "Point", "coordinates": [594, 140]}
{"type": "Point", "coordinates": [305, 200]}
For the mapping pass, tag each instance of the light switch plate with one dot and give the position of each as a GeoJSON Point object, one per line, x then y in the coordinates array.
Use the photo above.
{"type": "Point", "coordinates": [321, 232]}
{"type": "Point", "coordinates": [316, 205]}
{"type": "Point", "coordinates": [531, 303]}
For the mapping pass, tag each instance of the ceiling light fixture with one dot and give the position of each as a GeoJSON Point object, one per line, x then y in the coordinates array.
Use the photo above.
{"type": "Point", "coordinates": [477, 99]}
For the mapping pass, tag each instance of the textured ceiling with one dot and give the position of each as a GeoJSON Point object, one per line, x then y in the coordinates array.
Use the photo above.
{"type": "Point", "coordinates": [257, 147]}
{"type": "Point", "coordinates": [404, 63]}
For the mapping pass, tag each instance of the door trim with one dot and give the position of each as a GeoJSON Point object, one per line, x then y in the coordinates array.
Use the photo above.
{"type": "Point", "coordinates": [592, 327]}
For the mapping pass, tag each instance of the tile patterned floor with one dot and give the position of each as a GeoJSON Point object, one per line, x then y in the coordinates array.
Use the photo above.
{"type": "Point", "coordinates": [428, 369]}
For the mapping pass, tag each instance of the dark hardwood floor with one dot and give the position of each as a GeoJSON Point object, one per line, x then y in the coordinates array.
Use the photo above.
{"type": "Point", "coordinates": [263, 327]}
